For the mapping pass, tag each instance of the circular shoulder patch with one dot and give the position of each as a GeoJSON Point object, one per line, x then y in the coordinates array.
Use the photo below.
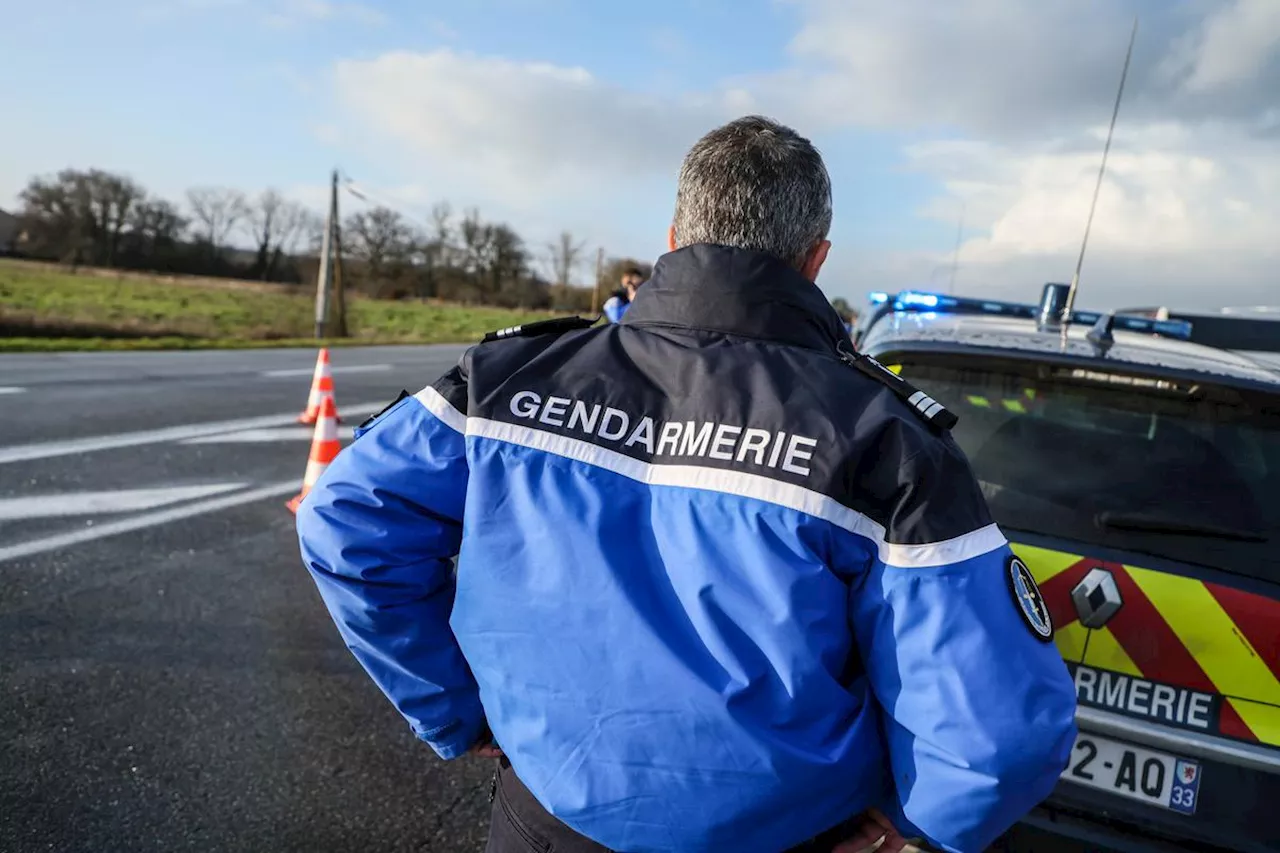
{"type": "Point", "coordinates": [1026, 594]}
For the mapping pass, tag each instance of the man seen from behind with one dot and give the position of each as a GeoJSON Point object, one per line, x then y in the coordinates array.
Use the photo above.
{"type": "Point", "coordinates": [809, 635]}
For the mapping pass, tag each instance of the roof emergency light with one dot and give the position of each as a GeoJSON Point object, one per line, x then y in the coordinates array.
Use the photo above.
{"type": "Point", "coordinates": [1048, 314]}
{"type": "Point", "coordinates": [924, 300]}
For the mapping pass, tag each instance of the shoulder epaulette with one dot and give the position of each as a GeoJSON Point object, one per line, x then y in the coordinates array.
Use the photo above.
{"type": "Point", "coordinates": [929, 409]}
{"type": "Point", "coordinates": [554, 326]}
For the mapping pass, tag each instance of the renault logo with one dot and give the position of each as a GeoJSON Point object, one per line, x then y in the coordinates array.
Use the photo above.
{"type": "Point", "coordinates": [1097, 598]}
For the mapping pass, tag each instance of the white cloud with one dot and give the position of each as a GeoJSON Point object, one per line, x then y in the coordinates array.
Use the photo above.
{"type": "Point", "coordinates": [1013, 95]}
{"type": "Point", "coordinates": [1009, 68]}
{"type": "Point", "coordinates": [1189, 213]}
{"type": "Point", "coordinates": [522, 130]}
{"type": "Point", "coordinates": [990, 65]}
{"type": "Point", "coordinates": [1234, 46]}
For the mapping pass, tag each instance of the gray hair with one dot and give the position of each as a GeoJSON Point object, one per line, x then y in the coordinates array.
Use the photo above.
{"type": "Point", "coordinates": [754, 184]}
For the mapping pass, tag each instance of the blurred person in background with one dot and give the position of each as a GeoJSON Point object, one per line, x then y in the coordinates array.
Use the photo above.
{"type": "Point", "coordinates": [620, 301]}
{"type": "Point", "coordinates": [808, 635]}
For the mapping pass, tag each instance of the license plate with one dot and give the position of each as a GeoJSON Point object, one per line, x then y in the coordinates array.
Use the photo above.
{"type": "Point", "coordinates": [1155, 778]}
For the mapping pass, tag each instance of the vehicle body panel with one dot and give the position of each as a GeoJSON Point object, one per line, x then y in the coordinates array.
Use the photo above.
{"type": "Point", "coordinates": [1216, 640]}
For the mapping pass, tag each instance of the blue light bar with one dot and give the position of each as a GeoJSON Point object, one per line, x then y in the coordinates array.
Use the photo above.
{"type": "Point", "coordinates": [1180, 329]}
{"type": "Point", "coordinates": [917, 301]}
{"type": "Point", "coordinates": [878, 297]}
{"type": "Point", "coordinates": [924, 300]}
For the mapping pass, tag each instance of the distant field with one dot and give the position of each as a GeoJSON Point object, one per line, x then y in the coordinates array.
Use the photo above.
{"type": "Point", "coordinates": [43, 308]}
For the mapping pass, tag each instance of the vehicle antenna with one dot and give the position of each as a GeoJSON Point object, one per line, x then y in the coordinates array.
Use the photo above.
{"type": "Point", "coordinates": [955, 258]}
{"type": "Point", "coordinates": [1075, 279]}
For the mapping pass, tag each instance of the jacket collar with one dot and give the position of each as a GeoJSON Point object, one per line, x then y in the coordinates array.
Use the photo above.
{"type": "Point", "coordinates": [736, 292]}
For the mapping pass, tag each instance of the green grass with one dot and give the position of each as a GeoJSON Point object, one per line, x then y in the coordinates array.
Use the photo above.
{"type": "Point", "coordinates": [45, 308]}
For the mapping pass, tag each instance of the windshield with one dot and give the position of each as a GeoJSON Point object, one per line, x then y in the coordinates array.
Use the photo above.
{"type": "Point", "coordinates": [1176, 469]}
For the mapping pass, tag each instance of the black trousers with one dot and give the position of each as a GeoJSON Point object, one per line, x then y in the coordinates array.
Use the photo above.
{"type": "Point", "coordinates": [519, 824]}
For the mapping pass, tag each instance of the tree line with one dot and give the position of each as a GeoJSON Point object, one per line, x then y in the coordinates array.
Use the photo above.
{"type": "Point", "coordinates": [99, 218]}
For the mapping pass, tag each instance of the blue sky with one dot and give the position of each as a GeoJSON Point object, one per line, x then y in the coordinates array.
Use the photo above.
{"type": "Point", "coordinates": [233, 92]}
{"type": "Point", "coordinates": [572, 114]}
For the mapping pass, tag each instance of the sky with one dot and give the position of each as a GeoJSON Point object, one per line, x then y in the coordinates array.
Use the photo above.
{"type": "Point", "coordinates": [979, 118]}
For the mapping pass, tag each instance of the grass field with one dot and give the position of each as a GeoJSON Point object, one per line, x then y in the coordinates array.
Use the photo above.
{"type": "Point", "coordinates": [45, 308]}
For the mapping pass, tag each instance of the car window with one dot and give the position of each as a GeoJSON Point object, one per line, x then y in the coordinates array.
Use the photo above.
{"type": "Point", "coordinates": [1175, 469]}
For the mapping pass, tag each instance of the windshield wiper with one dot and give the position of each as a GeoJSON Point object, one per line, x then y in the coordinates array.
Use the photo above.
{"type": "Point", "coordinates": [1145, 521]}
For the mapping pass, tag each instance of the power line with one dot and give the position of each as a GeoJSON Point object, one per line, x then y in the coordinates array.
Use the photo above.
{"type": "Point", "coordinates": [369, 197]}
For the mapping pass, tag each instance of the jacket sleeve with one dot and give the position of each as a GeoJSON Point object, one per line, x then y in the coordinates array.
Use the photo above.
{"type": "Point", "coordinates": [613, 309]}
{"type": "Point", "coordinates": [378, 533]}
{"type": "Point", "coordinates": [979, 709]}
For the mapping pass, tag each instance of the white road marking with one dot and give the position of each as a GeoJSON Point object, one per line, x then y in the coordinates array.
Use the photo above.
{"type": "Point", "coordinates": [309, 371]}
{"type": "Point", "coordinates": [9, 389]}
{"type": "Point", "coordinates": [141, 522]}
{"type": "Point", "coordinates": [48, 449]}
{"type": "Point", "coordinates": [256, 436]}
{"type": "Point", "coordinates": [120, 500]}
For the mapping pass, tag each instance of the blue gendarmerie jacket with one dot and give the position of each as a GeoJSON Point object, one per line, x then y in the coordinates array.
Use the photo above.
{"type": "Point", "coordinates": [716, 589]}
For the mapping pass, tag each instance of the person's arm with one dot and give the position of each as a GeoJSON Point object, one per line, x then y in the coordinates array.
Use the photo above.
{"type": "Point", "coordinates": [979, 706]}
{"type": "Point", "coordinates": [378, 532]}
{"type": "Point", "coordinates": [613, 307]}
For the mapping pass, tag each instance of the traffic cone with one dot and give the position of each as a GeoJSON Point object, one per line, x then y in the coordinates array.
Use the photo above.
{"type": "Point", "coordinates": [324, 447]}
{"type": "Point", "coordinates": [321, 387]}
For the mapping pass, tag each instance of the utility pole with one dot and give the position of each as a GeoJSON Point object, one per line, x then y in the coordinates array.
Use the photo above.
{"type": "Point", "coordinates": [331, 314]}
{"type": "Point", "coordinates": [595, 291]}
{"type": "Point", "coordinates": [339, 285]}
{"type": "Point", "coordinates": [325, 275]}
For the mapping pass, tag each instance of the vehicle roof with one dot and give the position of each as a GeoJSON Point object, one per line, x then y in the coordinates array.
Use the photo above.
{"type": "Point", "coordinates": [906, 329]}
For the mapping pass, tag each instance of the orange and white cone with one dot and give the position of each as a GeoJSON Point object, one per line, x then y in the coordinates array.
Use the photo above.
{"type": "Point", "coordinates": [321, 387]}
{"type": "Point", "coordinates": [324, 447]}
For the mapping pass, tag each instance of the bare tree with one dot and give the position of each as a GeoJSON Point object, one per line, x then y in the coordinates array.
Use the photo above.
{"type": "Point", "coordinates": [114, 196]}
{"type": "Point", "coordinates": [80, 215]}
{"type": "Point", "coordinates": [310, 225]}
{"type": "Point", "coordinates": [312, 232]}
{"type": "Point", "coordinates": [381, 239]}
{"type": "Point", "coordinates": [99, 217]}
{"type": "Point", "coordinates": [474, 234]}
{"type": "Point", "coordinates": [441, 221]}
{"type": "Point", "coordinates": [272, 222]}
{"type": "Point", "coordinates": [565, 255]}
{"type": "Point", "coordinates": [216, 210]}
{"type": "Point", "coordinates": [155, 226]}
{"type": "Point", "coordinates": [439, 242]}
{"type": "Point", "coordinates": [55, 215]}
{"type": "Point", "coordinates": [507, 258]}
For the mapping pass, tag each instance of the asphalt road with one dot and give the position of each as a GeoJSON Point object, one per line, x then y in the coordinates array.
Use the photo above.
{"type": "Point", "coordinates": [169, 679]}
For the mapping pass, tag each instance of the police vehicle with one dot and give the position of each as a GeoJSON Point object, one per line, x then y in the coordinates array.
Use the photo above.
{"type": "Point", "coordinates": [1137, 473]}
